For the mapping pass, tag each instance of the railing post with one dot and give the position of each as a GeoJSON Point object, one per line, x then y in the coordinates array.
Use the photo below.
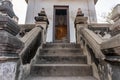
{"type": "Point", "coordinates": [10, 45]}
{"type": "Point", "coordinates": [80, 21]}
{"type": "Point", "coordinates": [42, 21]}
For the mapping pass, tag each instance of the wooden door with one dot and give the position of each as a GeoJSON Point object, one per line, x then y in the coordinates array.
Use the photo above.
{"type": "Point", "coordinates": [61, 24]}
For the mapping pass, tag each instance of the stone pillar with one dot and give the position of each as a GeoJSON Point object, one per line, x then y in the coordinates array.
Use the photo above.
{"type": "Point", "coordinates": [80, 21]}
{"type": "Point", "coordinates": [10, 47]}
{"type": "Point", "coordinates": [42, 21]}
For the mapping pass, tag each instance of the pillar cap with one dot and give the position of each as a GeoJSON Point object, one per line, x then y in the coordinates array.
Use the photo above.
{"type": "Point", "coordinates": [80, 19]}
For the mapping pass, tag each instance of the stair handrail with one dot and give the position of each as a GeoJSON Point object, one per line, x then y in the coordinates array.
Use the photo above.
{"type": "Point", "coordinates": [30, 40]}
{"type": "Point", "coordinates": [36, 36]}
{"type": "Point", "coordinates": [98, 44]}
{"type": "Point", "coordinates": [93, 40]}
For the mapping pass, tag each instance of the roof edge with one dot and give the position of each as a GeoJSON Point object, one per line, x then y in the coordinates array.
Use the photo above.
{"type": "Point", "coordinates": [95, 1]}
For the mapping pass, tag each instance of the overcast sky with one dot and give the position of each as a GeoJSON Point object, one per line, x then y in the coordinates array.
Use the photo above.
{"type": "Point", "coordinates": [102, 6]}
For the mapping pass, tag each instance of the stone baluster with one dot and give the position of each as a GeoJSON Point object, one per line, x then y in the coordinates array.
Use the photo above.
{"type": "Point", "coordinates": [10, 47]}
{"type": "Point", "coordinates": [42, 21]}
{"type": "Point", "coordinates": [80, 21]}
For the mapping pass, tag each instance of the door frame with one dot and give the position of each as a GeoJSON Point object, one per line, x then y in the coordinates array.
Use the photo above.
{"type": "Point", "coordinates": [54, 15]}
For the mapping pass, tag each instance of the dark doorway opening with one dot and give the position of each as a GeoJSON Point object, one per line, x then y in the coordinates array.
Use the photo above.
{"type": "Point", "coordinates": [61, 12]}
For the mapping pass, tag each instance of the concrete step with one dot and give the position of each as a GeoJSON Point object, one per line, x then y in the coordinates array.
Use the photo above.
{"type": "Point", "coordinates": [44, 53]}
{"type": "Point", "coordinates": [52, 50]}
{"type": "Point", "coordinates": [61, 45]}
{"type": "Point", "coordinates": [62, 59]}
{"type": "Point", "coordinates": [62, 48]}
{"type": "Point", "coordinates": [60, 78]}
{"type": "Point", "coordinates": [61, 70]}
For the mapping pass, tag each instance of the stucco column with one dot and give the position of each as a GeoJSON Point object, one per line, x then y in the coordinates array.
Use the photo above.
{"type": "Point", "coordinates": [80, 21]}
{"type": "Point", "coordinates": [42, 21]}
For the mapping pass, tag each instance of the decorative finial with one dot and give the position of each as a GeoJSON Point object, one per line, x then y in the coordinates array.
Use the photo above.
{"type": "Point", "coordinates": [42, 13]}
{"type": "Point", "coordinates": [41, 16]}
{"type": "Point", "coordinates": [79, 13]}
{"type": "Point", "coordinates": [80, 19]}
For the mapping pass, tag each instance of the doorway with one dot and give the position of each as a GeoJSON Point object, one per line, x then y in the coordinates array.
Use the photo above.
{"type": "Point", "coordinates": [61, 24]}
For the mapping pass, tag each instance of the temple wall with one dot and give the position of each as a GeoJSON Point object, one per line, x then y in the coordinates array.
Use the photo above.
{"type": "Point", "coordinates": [87, 6]}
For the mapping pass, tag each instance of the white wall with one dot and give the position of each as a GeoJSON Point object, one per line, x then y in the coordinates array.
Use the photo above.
{"type": "Point", "coordinates": [34, 7]}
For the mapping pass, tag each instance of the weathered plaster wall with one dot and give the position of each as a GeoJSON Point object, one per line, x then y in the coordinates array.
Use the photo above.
{"type": "Point", "coordinates": [87, 6]}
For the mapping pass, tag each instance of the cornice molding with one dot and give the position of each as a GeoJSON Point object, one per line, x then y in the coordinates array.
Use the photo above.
{"type": "Point", "coordinates": [94, 1]}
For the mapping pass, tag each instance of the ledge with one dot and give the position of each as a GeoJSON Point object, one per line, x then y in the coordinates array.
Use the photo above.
{"type": "Point", "coordinates": [95, 1]}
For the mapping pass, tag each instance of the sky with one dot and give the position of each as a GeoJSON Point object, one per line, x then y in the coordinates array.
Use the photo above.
{"type": "Point", "coordinates": [102, 7]}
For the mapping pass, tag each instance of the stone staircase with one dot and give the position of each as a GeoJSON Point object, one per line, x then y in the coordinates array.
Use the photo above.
{"type": "Point", "coordinates": [61, 61]}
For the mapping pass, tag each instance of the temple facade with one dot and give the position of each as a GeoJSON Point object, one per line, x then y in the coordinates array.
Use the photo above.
{"type": "Point", "coordinates": [25, 54]}
{"type": "Point", "coordinates": [67, 8]}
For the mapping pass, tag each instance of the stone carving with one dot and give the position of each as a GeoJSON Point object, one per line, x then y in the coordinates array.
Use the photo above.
{"type": "Point", "coordinates": [6, 7]}
{"type": "Point", "coordinates": [42, 13]}
{"type": "Point", "coordinates": [79, 13]}
{"type": "Point", "coordinates": [8, 71]}
{"type": "Point", "coordinates": [116, 18]}
{"type": "Point", "coordinates": [41, 16]}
